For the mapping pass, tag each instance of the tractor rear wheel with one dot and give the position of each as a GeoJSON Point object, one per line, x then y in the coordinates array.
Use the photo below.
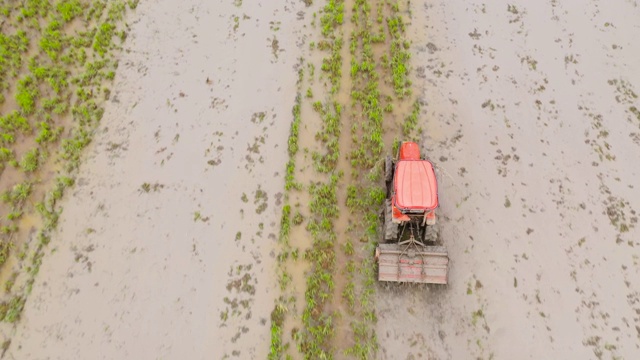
{"type": "Point", "coordinates": [388, 169]}
{"type": "Point", "coordinates": [431, 234]}
{"type": "Point", "coordinates": [390, 228]}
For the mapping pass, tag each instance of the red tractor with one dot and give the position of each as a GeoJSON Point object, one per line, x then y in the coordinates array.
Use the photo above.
{"type": "Point", "coordinates": [408, 252]}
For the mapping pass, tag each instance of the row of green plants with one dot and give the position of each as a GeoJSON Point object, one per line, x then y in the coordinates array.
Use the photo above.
{"type": "Point", "coordinates": [332, 17]}
{"type": "Point", "coordinates": [399, 54]}
{"type": "Point", "coordinates": [279, 346]}
{"type": "Point", "coordinates": [56, 58]}
{"type": "Point", "coordinates": [364, 195]}
{"type": "Point", "coordinates": [365, 95]}
{"type": "Point", "coordinates": [318, 319]}
{"type": "Point", "coordinates": [329, 136]}
{"type": "Point", "coordinates": [313, 341]}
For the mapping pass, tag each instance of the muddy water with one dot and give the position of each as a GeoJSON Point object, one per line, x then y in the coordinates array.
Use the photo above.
{"type": "Point", "coordinates": [528, 121]}
{"type": "Point", "coordinates": [166, 245]}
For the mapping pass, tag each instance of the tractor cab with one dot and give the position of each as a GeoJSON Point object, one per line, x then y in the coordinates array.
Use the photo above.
{"type": "Point", "coordinates": [415, 188]}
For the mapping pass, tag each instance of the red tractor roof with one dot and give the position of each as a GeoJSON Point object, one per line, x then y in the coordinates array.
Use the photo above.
{"type": "Point", "coordinates": [415, 185]}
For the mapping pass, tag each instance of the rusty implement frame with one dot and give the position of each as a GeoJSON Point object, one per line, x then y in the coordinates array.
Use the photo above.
{"type": "Point", "coordinates": [412, 262]}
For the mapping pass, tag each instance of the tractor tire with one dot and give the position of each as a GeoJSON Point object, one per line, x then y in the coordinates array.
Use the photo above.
{"type": "Point", "coordinates": [431, 234]}
{"type": "Point", "coordinates": [388, 169]}
{"type": "Point", "coordinates": [390, 228]}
